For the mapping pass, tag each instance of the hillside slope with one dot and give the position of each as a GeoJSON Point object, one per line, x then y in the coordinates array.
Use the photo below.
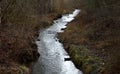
{"type": "Point", "coordinates": [95, 35]}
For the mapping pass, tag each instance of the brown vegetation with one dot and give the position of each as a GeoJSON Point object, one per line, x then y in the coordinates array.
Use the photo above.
{"type": "Point", "coordinates": [21, 21]}
{"type": "Point", "coordinates": [97, 28]}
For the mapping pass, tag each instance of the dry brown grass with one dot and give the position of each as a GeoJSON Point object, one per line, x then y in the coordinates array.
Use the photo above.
{"type": "Point", "coordinates": [99, 32]}
{"type": "Point", "coordinates": [17, 40]}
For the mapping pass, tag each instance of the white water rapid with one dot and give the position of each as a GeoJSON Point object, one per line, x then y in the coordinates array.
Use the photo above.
{"type": "Point", "coordinates": [52, 53]}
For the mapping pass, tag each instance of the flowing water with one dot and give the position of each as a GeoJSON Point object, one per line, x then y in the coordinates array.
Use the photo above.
{"type": "Point", "coordinates": [52, 52]}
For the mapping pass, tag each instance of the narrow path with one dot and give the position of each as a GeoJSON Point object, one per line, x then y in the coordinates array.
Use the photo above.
{"type": "Point", "coordinates": [52, 59]}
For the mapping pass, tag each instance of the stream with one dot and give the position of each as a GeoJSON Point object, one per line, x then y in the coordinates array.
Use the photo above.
{"type": "Point", "coordinates": [52, 53]}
